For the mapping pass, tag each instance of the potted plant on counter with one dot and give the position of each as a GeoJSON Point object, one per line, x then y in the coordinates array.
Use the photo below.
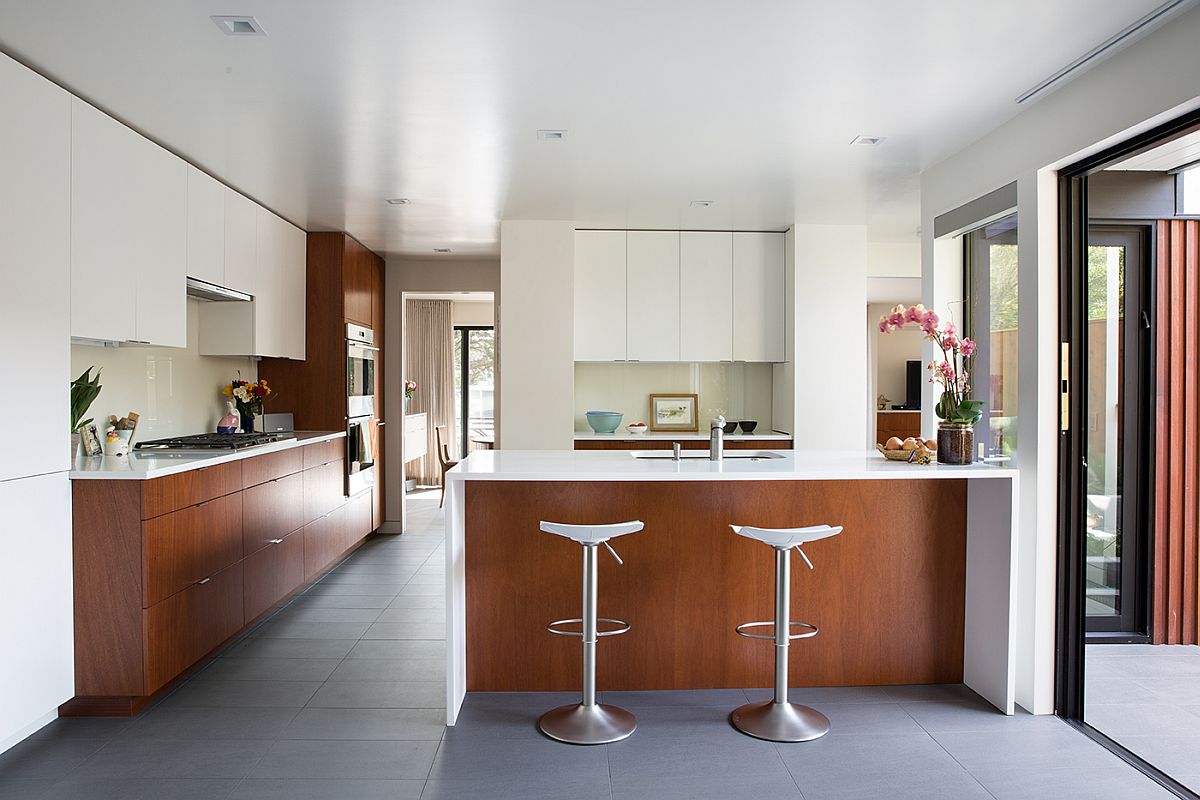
{"type": "Point", "coordinates": [249, 398]}
{"type": "Point", "coordinates": [84, 390]}
{"type": "Point", "coordinates": [956, 409]}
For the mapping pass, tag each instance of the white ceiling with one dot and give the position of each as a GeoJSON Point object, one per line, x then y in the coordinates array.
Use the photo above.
{"type": "Point", "coordinates": [1166, 157]}
{"type": "Point", "coordinates": [751, 105]}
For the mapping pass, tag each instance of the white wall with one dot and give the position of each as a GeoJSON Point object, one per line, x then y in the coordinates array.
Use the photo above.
{"type": "Point", "coordinates": [890, 354]}
{"type": "Point", "coordinates": [432, 276]}
{"type": "Point", "coordinates": [473, 313]}
{"type": "Point", "coordinates": [830, 338]}
{"type": "Point", "coordinates": [175, 391]}
{"type": "Point", "coordinates": [536, 334]}
{"type": "Point", "coordinates": [894, 259]}
{"type": "Point", "coordinates": [1138, 88]}
{"type": "Point", "coordinates": [737, 390]}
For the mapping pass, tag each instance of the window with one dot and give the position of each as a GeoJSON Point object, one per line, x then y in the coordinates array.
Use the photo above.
{"type": "Point", "coordinates": [990, 259]}
{"type": "Point", "coordinates": [1187, 191]}
{"type": "Point", "coordinates": [474, 356]}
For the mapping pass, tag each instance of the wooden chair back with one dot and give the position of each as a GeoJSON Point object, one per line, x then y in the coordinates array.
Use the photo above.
{"type": "Point", "coordinates": [443, 447]}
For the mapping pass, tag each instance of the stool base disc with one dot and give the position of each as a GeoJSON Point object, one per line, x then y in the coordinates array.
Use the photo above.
{"type": "Point", "coordinates": [580, 724]}
{"type": "Point", "coordinates": [780, 722]}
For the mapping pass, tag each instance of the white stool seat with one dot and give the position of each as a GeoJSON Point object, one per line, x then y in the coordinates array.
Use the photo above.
{"type": "Point", "coordinates": [592, 534]}
{"type": "Point", "coordinates": [786, 537]}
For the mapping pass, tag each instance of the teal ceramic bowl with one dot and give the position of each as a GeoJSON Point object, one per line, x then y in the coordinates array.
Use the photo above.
{"type": "Point", "coordinates": [604, 421]}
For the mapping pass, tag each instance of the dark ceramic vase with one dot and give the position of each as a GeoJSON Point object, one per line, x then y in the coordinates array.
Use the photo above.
{"type": "Point", "coordinates": [247, 423]}
{"type": "Point", "coordinates": [956, 443]}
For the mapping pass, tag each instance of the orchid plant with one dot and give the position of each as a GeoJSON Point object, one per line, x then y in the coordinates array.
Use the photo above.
{"type": "Point", "coordinates": [952, 372]}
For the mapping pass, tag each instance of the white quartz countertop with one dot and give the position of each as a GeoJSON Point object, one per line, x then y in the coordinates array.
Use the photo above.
{"type": "Point", "coordinates": [620, 465]}
{"type": "Point", "coordinates": [143, 465]}
{"type": "Point", "coordinates": [681, 436]}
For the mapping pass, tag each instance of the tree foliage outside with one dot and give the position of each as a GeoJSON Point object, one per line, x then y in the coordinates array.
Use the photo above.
{"type": "Point", "coordinates": [1097, 280]}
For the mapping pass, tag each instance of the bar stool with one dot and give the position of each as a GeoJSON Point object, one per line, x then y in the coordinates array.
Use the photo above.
{"type": "Point", "coordinates": [777, 720]}
{"type": "Point", "coordinates": [589, 722]}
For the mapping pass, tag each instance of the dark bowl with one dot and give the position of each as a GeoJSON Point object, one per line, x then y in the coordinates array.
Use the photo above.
{"type": "Point", "coordinates": [748, 425]}
{"type": "Point", "coordinates": [730, 427]}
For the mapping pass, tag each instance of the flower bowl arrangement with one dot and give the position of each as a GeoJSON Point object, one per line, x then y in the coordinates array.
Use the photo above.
{"type": "Point", "coordinates": [410, 388]}
{"type": "Point", "coordinates": [249, 399]}
{"type": "Point", "coordinates": [956, 409]}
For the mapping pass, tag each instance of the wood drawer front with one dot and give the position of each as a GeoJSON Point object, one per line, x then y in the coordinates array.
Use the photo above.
{"type": "Point", "coordinates": [164, 495]}
{"type": "Point", "coordinates": [271, 511]}
{"type": "Point", "coordinates": [359, 514]}
{"type": "Point", "coordinates": [273, 573]}
{"type": "Point", "coordinates": [901, 425]}
{"type": "Point", "coordinates": [189, 545]}
{"type": "Point", "coordinates": [323, 489]}
{"type": "Point", "coordinates": [261, 469]}
{"type": "Point", "coordinates": [187, 626]}
{"type": "Point", "coordinates": [324, 541]}
{"type": "Point", "coordinates": [323, 452]}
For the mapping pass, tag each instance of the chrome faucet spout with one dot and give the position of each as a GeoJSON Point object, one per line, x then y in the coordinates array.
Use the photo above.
{"type": "Point", "coordinates": [716, 439]}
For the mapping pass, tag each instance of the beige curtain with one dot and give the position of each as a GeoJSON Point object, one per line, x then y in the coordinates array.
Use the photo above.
{"type": "Point", "coordinates": [429, 360]}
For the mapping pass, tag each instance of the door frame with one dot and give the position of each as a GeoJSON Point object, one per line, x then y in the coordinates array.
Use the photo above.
{"type": "Point", "coordinates": [464, 366]}
{"type": "Point", "coordinates": [1070, 612]}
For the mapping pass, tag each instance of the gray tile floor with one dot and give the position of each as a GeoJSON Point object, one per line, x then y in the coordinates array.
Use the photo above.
{"type": "Point", "coordinates": [1147, 697]}
{"type": "Point", "coordinates": [339, 697]}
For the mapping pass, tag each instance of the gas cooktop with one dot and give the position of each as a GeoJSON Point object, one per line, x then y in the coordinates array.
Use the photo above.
{"type": "Point", "coordinates": [212, 441]}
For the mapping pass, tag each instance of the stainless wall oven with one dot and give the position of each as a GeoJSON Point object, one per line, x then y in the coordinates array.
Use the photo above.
{"type": "Point", "coordinates": [361, 354]}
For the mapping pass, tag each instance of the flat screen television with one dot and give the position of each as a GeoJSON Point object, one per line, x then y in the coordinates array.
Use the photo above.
{"type": "Point", "coordinates": [912, 383]}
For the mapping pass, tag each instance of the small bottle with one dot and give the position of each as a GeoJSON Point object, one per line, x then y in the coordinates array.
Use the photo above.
{"type": "Point", "coordinates": [229, 423]}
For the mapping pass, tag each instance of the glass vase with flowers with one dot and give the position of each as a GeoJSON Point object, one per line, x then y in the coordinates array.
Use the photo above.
{"type": "Point", "coordinates": [956, 409]}
{"type": "Point", "coordinates": [249, 398]}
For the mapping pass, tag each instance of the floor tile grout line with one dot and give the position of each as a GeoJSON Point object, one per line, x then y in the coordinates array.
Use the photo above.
{"type": "Point", "coordinates": [961, 765]}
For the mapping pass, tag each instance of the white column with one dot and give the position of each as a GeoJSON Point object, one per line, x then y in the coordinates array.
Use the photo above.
{"type": "Point", "coordinates": [830, 336]}
{"type": "Point", "coordinates": [536, 344]}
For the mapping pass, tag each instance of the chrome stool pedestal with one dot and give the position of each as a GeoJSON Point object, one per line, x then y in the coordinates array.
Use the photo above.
{"type": "Point", "coordinates": [778, 720]}
{"type": "Point", "coordinates": [589, 722]}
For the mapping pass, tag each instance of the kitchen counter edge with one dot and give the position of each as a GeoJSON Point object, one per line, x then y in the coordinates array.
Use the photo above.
{"type": "Point", "coordinates": [147, 467]}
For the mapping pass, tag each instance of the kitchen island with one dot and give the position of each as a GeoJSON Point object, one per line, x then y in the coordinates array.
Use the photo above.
{"type": "Point", "coordinates": [919, 587]}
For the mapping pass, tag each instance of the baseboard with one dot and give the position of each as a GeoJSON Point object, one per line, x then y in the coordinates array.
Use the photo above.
{"type": "Point", "coordinates": [391, 526]}
{"type": "Point", "coordinates": [30, 729]}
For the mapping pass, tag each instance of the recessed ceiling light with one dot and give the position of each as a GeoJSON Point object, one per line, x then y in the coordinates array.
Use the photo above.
{"type": "Point", "coordinates": [441, 249]}
{"type": "Point", "coordinates": [398, 201]}
{"type": "Point", "coordinates": [239, 26]}
{"type": "Point", "coordinates": [701, 203]}
{"type": "Point", "coordinates": [867, 141]}
{"type": "Point", "coordinates": [551, 135]}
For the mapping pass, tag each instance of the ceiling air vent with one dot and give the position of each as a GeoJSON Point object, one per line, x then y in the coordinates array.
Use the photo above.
{"type": "Point", "coordinates": [239, 26]}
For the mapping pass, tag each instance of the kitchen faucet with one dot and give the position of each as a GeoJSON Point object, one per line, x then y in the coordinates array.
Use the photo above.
{"type": "Point", "coordinates": [716, 439]}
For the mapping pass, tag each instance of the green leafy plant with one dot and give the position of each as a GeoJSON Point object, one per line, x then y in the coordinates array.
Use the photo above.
{"type": "Point", "coordinates": [83, 393]}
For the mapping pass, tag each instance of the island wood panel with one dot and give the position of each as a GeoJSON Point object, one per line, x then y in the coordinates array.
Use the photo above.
{"type": "Point", "coordinates": [685, 444]}
{"type": "Point", "coordinates": [173, 492]}
{"type": "Point", "coordinates": [887, 594]}
{"type": "Point", "coordinates": [271, 511]}
{"type": "Point", "coordinates": [191, 544]}
{"type": "Point", "coordinates": [107, 565]}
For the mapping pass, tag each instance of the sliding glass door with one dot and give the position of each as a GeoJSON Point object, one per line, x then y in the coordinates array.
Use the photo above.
{"type": "Point", "coordinates": [474, 387]}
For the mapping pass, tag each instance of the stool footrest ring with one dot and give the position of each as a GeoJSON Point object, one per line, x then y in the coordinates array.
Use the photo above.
{"type": "Point", "coordinates": [624, 627]}
{"type": "Point", "coordinates": [810, 630]}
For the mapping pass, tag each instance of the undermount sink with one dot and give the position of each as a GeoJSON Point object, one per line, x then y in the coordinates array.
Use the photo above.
{"type": "Point", "coordinates": [752, 455]}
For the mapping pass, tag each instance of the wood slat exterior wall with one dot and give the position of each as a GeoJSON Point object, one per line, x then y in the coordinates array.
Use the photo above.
{"type": "Point", "coordinates": [1177, 395]}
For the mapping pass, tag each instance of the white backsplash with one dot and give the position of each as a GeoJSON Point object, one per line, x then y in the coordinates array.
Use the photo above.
{"type": "Point", "coordinates": [174, 391]}
{"type": "Point", "coordinates": [738, 390]}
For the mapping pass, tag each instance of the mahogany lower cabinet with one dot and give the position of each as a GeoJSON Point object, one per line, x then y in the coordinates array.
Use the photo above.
{"type": "Point", "coordinates": [168, 569]}
{"type": "Point", "coordinates": [901, 424]}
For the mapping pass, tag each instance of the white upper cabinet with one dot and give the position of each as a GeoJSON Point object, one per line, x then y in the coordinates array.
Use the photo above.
{"type": "Point", "coordinates": [206, 227]}
{"type": "Point", "coordinates": [241, 242]}
{"type": "Point", "coordinates": [159, 251]}
{"type": "Point", "coordinates": [128, 234]}
{"type": "Point", "coordinates": [35, 268]}
{"type": "Point", "coordinates": [295, 290]}
{"type": "Point", "coordinates": [599, 295]}
{"type": "Point", "coordinates": [652, 294]}
{"type": "Point", "coordinates": [705, 306]}
{"type": "Point", "coordinates": [758, 300]}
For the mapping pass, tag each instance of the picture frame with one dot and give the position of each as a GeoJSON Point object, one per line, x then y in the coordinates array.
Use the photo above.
{"type": "Point", "coordinates": [92, 443]}
{"type": "Point", "coordinates": [674, 412]}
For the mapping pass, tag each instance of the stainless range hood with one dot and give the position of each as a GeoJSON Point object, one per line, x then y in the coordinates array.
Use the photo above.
{"type": "Point", "coordinates": [203, 290]}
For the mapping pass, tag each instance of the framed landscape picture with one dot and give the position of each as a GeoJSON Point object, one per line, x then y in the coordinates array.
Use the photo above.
{"type": "Point", "coordinates": [673, 412]}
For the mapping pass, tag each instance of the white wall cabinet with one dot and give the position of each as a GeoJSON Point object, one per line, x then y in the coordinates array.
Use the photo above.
{"type": "Point", "coordinates": [35, 266]}
{"type": "Point", "coordinates": [600, 295]}
{"type": "Point", "coordinates": [273, 324]}
{"type": "Point", "coordinates": [652, 308]}
{"type": "Point", "coordinates": [241, 242]}
{"type": "Point", "coordinates": [205, 227]}
{"type": "Point", "coordinates": [758, 296]}
{"type": "Point", "coordinates": [705, 302]}
{"type": "Point", "coordinates": [128, 234]}
{"type": "Point", "coordinates": [682, 296]}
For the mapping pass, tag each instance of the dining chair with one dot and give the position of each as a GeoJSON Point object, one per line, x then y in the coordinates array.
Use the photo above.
{"type": "Point", "coordinates": [443, 454]}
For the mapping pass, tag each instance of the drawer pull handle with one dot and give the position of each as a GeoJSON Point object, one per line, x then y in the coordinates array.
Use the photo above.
{"type": "Point", "coordinates": [276, 541]}
{"type": "Point", "coordinates": [202, 503]}
{"type": "Point", "coordinates": [203, 581]}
